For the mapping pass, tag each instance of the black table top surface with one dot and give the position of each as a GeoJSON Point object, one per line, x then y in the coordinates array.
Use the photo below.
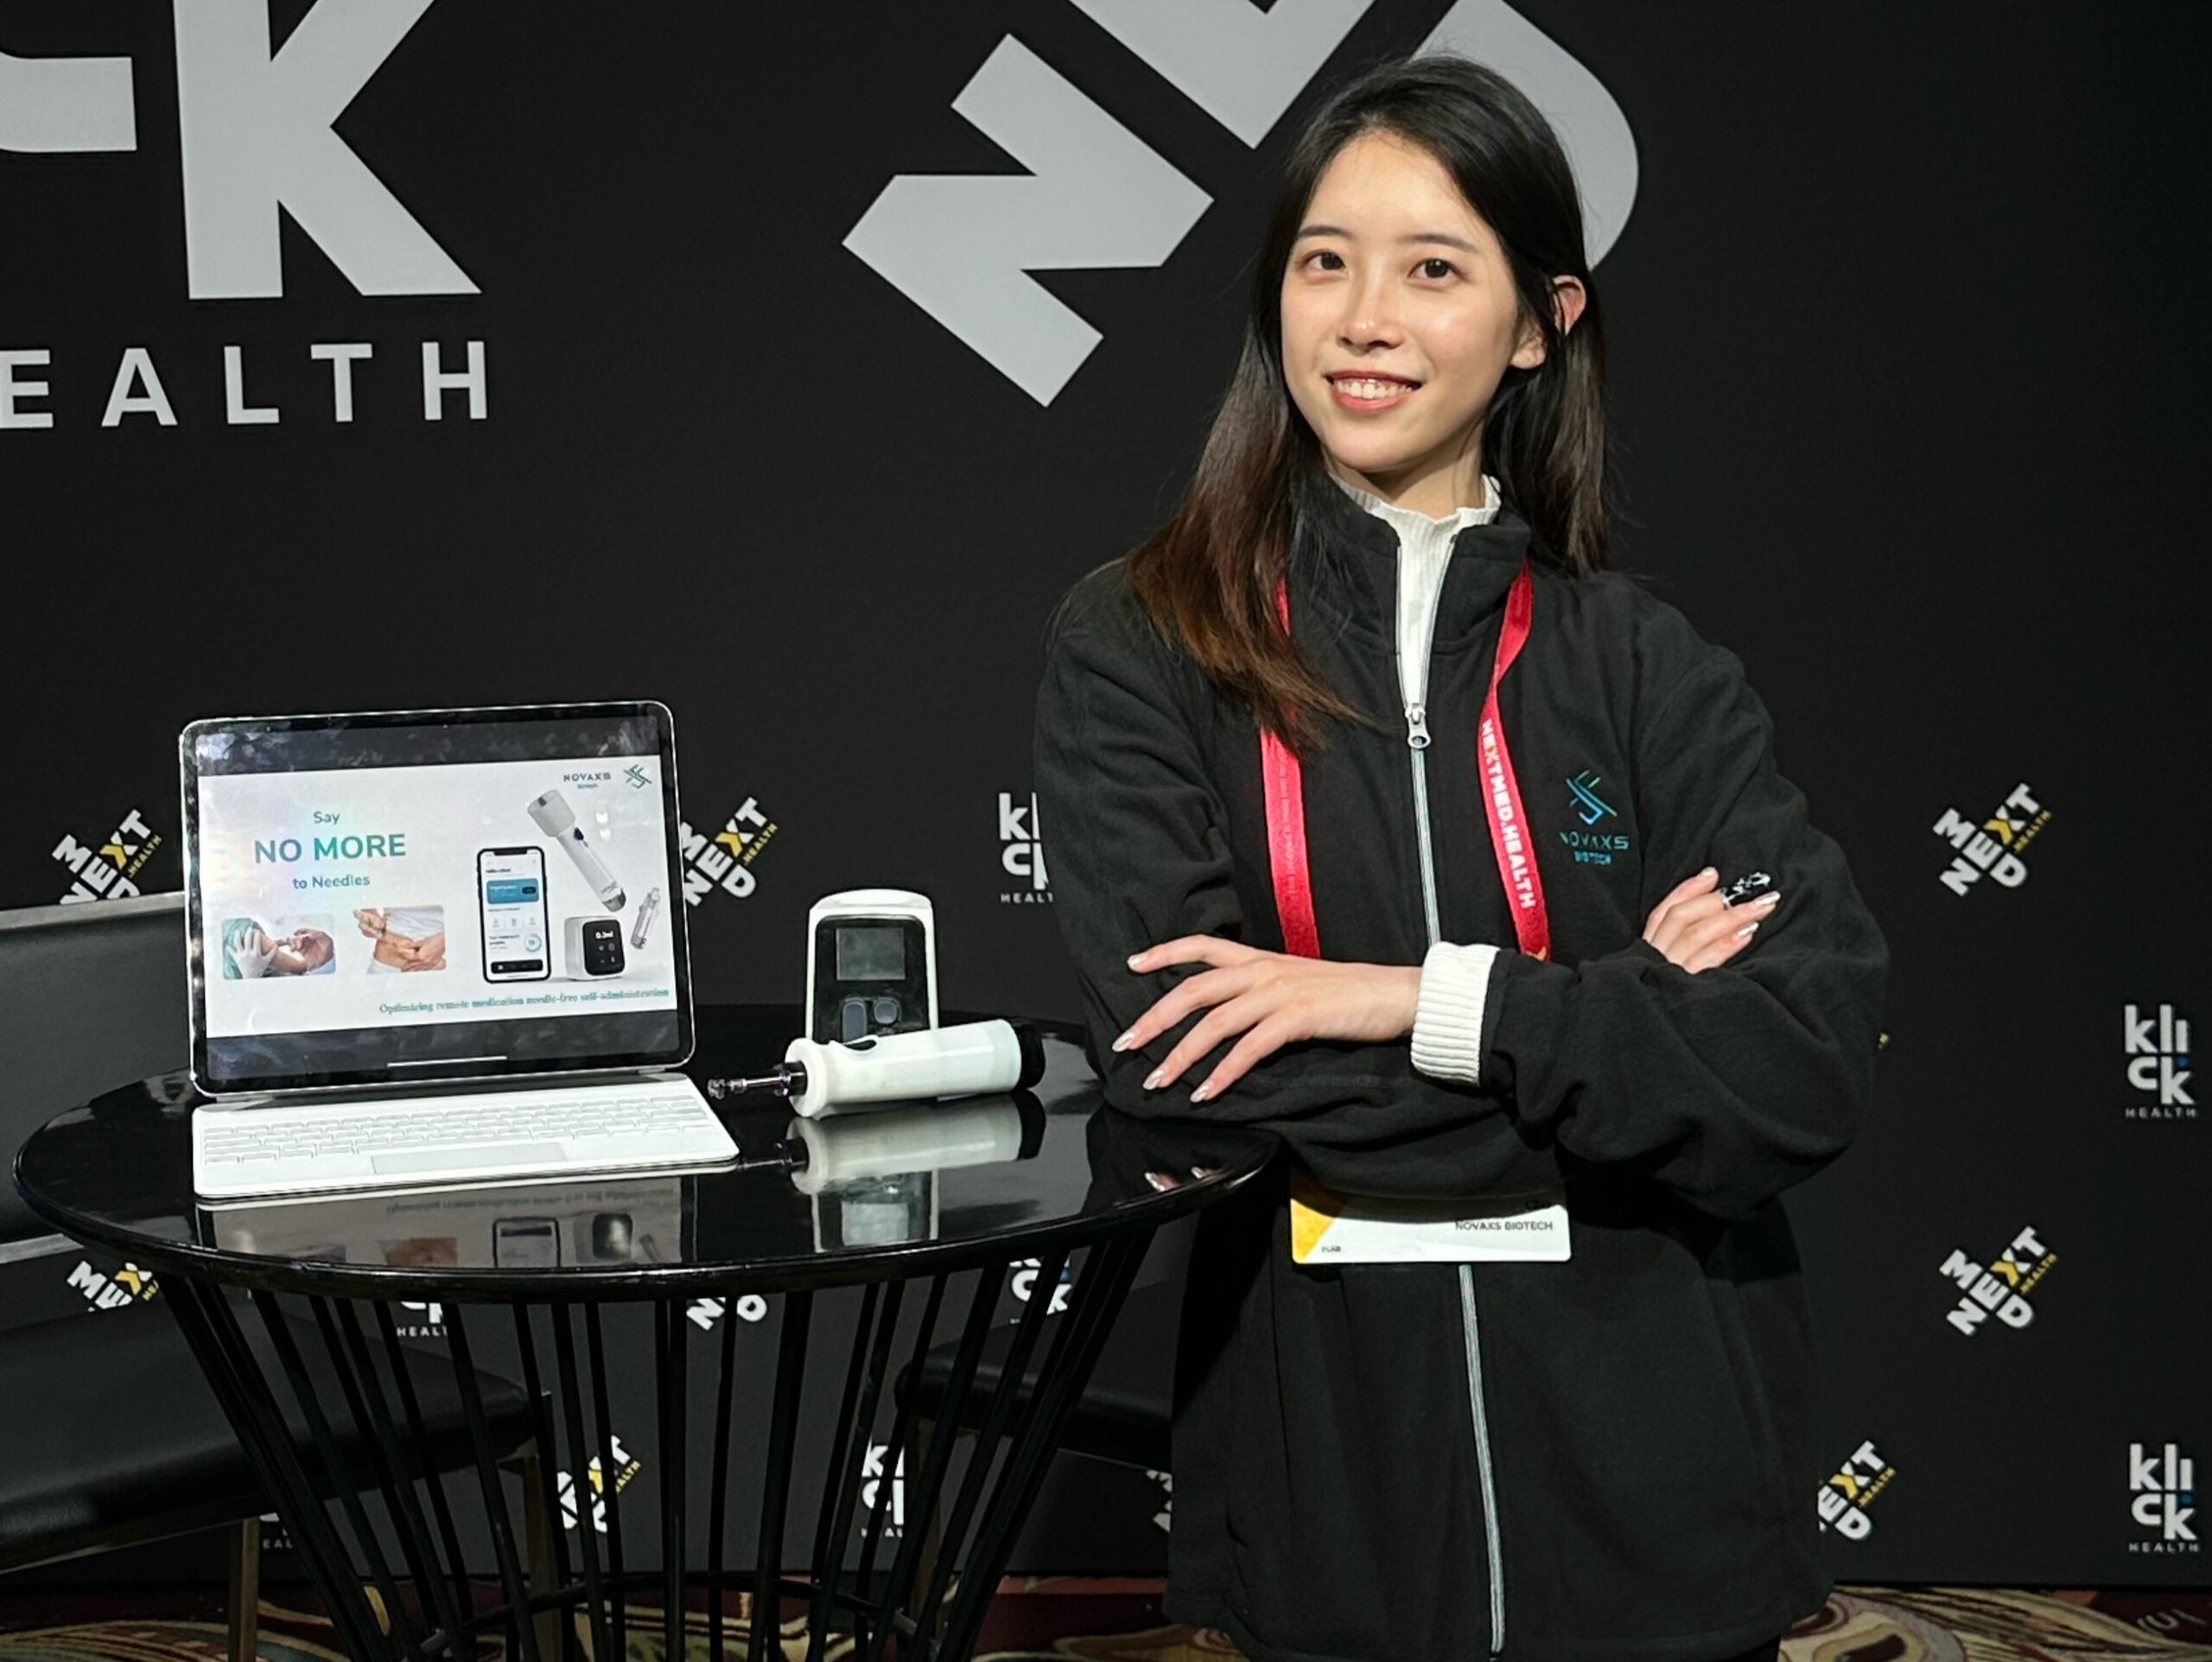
{"type": "Point", "coordinates": [894, 1193]}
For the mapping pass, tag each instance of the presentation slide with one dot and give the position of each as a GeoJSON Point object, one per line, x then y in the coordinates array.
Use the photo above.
{"type": "Point", "coordinates": [382, 896]}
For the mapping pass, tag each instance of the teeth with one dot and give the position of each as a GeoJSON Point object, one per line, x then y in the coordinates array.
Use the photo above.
{"type": "Point", "coordinates": [1370, 388]}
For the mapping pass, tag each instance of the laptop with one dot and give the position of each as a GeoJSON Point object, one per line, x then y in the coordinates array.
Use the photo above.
{"type": "Point", "coordinates": [436, 947]}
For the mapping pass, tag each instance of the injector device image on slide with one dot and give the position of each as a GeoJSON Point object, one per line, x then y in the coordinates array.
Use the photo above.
{"type": "Point", "coordinates": [558, 821]}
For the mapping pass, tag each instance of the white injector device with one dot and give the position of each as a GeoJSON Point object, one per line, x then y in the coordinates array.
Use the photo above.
{"type": "Point", "coordinates": [937, 1061]}
{"type": "Point", "coordinates": [558, 821]}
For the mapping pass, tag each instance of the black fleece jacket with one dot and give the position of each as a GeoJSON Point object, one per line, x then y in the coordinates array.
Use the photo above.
{"type": "Point", "coordinates": [1606, 1458]}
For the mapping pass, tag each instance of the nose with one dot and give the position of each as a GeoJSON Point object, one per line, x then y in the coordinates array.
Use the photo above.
{"type": "Point", "coordinates": [1370, 314]}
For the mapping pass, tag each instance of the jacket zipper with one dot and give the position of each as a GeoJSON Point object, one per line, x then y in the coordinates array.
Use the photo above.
{"type": "Point", "coordinates": [1483, 1469]}
{"type": "Point", "coordinates": [1417, 749]}
{"type": "Point", "coordinates": [1417, 742]}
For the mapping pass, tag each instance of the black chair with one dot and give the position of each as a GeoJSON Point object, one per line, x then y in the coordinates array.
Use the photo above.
{"type": "Point", "coordinates": [130, 1445]}
{"type": "Point", "coordinates": [95, 999]}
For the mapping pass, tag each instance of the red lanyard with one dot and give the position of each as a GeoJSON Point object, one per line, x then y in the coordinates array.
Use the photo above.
{"type": "Point", "coordinates": [1284, 784]}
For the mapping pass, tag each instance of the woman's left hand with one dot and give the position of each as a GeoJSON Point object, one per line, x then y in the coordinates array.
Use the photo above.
{"type": "Point", "coordinates": [1272, 998]}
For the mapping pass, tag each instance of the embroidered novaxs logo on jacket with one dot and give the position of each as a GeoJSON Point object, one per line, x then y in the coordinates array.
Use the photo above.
{"type": "Point", "coordinates": [1845, 1497]}
{"type": "Point", "coordinates": [1992, 848]}
{"type": "Point", "coordinates": [2002, 1289]}
{"type": "Point", "coordinates": [1597, 840]}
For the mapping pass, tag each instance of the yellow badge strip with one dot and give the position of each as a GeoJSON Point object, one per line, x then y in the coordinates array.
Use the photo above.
{"type": "Point", "coordinates": [1313, 1209]}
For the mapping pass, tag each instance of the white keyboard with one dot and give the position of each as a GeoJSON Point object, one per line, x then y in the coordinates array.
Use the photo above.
{"type": "Point", "coordinates": [464, 1136]}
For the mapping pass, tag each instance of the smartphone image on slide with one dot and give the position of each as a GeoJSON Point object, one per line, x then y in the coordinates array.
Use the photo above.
{"type": "Point", "coordinates": [511, 904]}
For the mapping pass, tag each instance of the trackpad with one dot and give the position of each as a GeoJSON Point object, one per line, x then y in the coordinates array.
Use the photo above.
{"type": "Point", "coordinates": [474, 1156]}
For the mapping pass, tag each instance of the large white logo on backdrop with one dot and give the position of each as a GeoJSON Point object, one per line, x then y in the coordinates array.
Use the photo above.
{"type": "Point", "coordinates": [256, 137]}
{"type": "Point", "coordinates": [1096, 195]}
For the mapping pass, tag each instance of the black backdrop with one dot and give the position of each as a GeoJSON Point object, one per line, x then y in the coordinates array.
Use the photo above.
{"type": "Point", "coordinates": [1905, 366]}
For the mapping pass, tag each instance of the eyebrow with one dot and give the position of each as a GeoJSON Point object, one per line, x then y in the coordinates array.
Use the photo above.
{"type": "Point", "coordinates": [1444, 237]}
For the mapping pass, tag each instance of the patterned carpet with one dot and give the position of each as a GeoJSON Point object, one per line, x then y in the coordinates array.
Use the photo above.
{"type": "Point", "coordinates": [1070, 1619]}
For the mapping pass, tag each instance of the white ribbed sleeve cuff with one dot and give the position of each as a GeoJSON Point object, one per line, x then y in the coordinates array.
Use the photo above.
{"type": "Point", "coordinates": [1448, 1021]}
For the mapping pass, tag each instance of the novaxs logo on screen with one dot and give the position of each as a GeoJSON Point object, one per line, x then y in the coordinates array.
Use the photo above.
{"type": "Point", "coordinates": [257, 144]}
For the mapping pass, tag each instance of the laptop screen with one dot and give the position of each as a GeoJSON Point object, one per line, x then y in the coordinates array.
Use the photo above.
{"type": "Point", "coordinates": [399, 897]}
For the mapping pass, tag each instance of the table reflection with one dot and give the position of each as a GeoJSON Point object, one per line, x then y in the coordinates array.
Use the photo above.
{"type": "Point", "coordinates": [873, 1177]}
{"type": "Point", "coordinates": [870, 1180]}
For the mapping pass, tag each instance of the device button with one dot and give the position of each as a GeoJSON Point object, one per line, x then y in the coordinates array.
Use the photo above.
{"type": "Point", "coordinates": [886, 1011]}
{"type": "Point", "coordinates": [852, 1019]}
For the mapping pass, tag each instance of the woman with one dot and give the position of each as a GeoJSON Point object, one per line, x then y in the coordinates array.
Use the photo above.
{"type": "Point", "coordinates": [408, 938]}
{"type": "Point", "coordinates": [1382, 817]}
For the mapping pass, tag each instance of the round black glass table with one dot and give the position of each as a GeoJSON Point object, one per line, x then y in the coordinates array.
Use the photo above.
{"type": "Point", "coordinates": [866, 1337]}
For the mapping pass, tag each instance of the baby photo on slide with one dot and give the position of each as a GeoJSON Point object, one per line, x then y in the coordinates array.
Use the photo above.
{"type": "Point", "coordinates": [261, 948]}
{"type": "Point", "coordinates": [404, 938]}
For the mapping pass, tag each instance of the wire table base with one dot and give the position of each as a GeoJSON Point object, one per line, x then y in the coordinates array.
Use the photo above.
{"type": "Point", "coordinates": [387, 1535]}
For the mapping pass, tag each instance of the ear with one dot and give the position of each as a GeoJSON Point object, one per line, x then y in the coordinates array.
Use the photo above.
{"type": "Point", "coordinates": [1569, 298]}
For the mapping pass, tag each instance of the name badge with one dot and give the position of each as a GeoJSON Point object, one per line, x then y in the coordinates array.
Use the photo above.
{"type": "Point", "coordinates": [1327, 1228]}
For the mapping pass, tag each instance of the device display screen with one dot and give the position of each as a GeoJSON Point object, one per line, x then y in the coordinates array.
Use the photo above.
{"type": "Point", "coordinates": [511, 901]}
{"type": "Point", "coordinates": [382, 896]}
{"type": "Point", "coordinates": [873, 952]}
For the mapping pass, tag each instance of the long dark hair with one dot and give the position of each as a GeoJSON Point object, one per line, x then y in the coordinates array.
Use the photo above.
{"type": "Point", "coordinates": [1207, 577]}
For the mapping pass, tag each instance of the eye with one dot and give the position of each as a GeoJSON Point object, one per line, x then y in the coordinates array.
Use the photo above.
{"type": "Point", "coordinates": [1437, 267]}
{"type": "Point", "coordinates": [1324, 254]}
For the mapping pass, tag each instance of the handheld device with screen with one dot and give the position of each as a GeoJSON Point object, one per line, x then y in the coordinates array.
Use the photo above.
{"type": "Point", "coordinates": [510, 905]}
{"type": "Point", "coordinates": [871, 964]}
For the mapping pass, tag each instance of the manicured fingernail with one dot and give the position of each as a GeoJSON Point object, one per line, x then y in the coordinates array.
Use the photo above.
{"type": "Point", "coordinates": [1126, 1040]}
{"type": "Point", "coordinates": [1710, 871]}
{"type": "Point", "coordinates": [1202, 1172]}
{"type": "Point", "coordinates": [1768, 898]}
{"type": "Point", "coordinates": [1161, 1181]}
{"type": "Point", "coordinates": [1136, 960]}
{"type": "Point", "coordinates": [1747, 928]}
{"type": "Point", "coordinates": [1202, 1093]}
{"type": "Point", "coordinates": [1156, 1079]}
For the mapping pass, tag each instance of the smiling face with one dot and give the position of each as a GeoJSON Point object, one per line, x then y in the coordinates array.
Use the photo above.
{"type": "Point", "coordinates": [1399, 320]}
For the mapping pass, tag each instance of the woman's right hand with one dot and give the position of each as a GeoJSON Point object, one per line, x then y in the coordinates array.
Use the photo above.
{"type": "Point", "coordinates": [1696, 929]}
